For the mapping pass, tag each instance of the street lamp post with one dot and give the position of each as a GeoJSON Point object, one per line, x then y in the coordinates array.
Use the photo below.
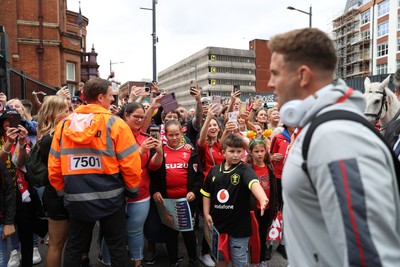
{"type": "Point", "coordinates": [155, 39]}
{"type": "Point", "coordinates": [305, 12]}
{"type": "Point", "coordinates": [112, 63]}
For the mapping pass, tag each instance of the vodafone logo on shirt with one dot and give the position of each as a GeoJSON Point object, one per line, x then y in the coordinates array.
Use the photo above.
{"type": "Point", "coordinates": [223, 196]}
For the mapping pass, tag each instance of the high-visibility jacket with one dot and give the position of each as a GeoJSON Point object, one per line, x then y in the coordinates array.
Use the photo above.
{"type": "Point", "coordinates": [93, 161]}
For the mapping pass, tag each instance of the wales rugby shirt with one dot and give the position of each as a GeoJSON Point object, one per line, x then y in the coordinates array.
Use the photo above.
{"type": "Point", "coordinates": [229, 191]}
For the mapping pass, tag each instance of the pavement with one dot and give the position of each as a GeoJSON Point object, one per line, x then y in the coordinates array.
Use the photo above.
{"type": "Point", "coordinates": [162, 256]}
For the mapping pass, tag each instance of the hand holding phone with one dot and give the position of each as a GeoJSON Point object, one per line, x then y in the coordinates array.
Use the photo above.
{"type": "Point", "coordinates": [194, 87]}
{"type": "Point", "coordinates": [15, 120]}
{"type": "Point", "coordinates": [236, 88]}
{"type": "Point", "coordinates": [155, 132]}
{"type": "Point", "coordinates": [115, 102]}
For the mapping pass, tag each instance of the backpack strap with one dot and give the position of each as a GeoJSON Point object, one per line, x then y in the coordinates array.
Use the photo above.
{"type": "Point", "coordinates": [342, 115]}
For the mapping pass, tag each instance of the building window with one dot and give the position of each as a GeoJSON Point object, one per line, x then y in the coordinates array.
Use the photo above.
{"type": "Point", "coordinates": [365, 34]}
{"type": "Point", "coordinates": [398, 22]}
{"type": "Point", "coordinates": [70, 71]}
{"type": "Point", "coordinates": [397, 64]}
{"type": "Point", "coordinates": [398, 44]}
{"type": "Point", "coordinates": [382, 49]}
{"type": "Point", "coordinates": [381, 68]}
{"type": "Point", "coordinates": [383, 8]}
{"type": "Point", "coordinates": [365, 17]}
{"type": "Point", "coordinates": [383, 28]}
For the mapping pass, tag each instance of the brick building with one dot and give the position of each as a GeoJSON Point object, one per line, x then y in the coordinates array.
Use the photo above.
{"type": "Point", "coordinates": [47, 41]}
{"type": "Point", "coordinates": [262, 62]}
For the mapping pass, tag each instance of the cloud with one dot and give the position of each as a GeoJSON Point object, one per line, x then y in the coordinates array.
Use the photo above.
{"type": "Point", "coordinates": [121, 31]}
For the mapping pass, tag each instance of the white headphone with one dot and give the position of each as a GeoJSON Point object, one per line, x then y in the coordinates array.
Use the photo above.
{"type": "Point", "coordinates": [293, 111]}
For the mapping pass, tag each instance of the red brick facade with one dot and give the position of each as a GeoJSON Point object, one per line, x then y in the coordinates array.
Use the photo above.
{"type": "Point", "coordinates": [263, 59]}
{"type": "Point", "coordinates": [43, 37]}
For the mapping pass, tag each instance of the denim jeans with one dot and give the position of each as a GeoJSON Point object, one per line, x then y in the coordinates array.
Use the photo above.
{"type": "Point", "coordinates": [238, 250]}
{"type": "Point", "coordinates": [14, 240]}
{"type": "Point", "coordinates": [136, 216]}
{"type": "Point", "coordinates": [3, 249]}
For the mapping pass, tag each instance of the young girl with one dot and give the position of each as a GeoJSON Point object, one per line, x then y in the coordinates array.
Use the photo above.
{"type": "Point", "coordinates": [260, 161]}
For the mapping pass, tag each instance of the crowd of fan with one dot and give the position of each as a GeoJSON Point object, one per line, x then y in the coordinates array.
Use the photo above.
{"type": "Point", "coordinates": [200, 132]}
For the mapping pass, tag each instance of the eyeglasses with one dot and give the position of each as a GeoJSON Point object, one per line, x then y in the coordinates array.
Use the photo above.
{"type": "Point", "coordinates": [137, 118]}
{"type": "Point", "coordinates": [206, 102]}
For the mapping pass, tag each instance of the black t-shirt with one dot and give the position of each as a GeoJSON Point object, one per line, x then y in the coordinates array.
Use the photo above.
{"type": "Point", "coordinates": [45, 145]}
{"type": "Point", "coordinates": [191, 132]}
{"type": "Point", "coordinates": [229, 191]}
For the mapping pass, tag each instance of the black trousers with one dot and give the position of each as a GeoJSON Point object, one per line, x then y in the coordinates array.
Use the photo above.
{"type": "Point", "coordinates": [80, 236]}
{"type": "Point", "coordinates": [189, 239]}
{"type": "Point", "coordinates": [263, 231]}
{"type": "Point", "coordinates": [25, 217]}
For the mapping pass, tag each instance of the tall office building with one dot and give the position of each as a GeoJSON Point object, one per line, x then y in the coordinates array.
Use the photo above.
{"type": "Point", "coordinates": [367, 37]}
{"type": "Point", "coordinates": [215, 69]}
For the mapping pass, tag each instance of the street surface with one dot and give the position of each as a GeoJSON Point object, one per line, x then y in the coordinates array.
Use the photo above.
{"type": "Point", "coordinates": [162, 257]}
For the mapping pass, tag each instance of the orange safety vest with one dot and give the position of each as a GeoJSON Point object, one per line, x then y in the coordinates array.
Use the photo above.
{"type": "Point", "coordinates": [93, 160]}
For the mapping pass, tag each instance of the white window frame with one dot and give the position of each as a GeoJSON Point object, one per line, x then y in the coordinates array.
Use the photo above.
{"type": "Point", "coordinates": [381, 68]}
{"type": "Point", "coordinates": [383, 8]}
{"type": "Point", "coordinates": [383, 28]}
{"type": "Point", "coordinates": [382, 49]}
{"type": "Point", "coordinates": [366, 34]}
{"type": "Point", "coordinates": [365, 17]}
{"type": "Point", "coordinates": [70, 71]}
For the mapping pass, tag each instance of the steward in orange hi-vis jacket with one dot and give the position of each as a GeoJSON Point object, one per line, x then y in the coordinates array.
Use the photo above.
{"type": "Point", "coordinates": [94, 162]}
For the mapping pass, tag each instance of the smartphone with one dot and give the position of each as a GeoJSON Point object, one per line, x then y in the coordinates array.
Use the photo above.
{"type": "Point", "coordinates": [115, 102]}
{"type": "Point", "coordinates": [155, 132]}
{"type": "Point", "coordinates": [216, 99]}
{"type": "Point", "coordinates": [236, 88]}
{"type": "Point", "coordinates": [193, 84]}
{"type": "Point", "coordinates": [15, 120]}
{"type": "Point", "coordinates": [243, 108]}
{"type": "Point", "coordinates": [168, 102]}
{"type": "Point", "coordinates": [147, 86]}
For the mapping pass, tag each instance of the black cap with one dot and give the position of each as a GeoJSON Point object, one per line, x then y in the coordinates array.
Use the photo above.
{"type": "Point", "coordinates": [8, 113]}
{"type": "Point", "coordinates": [76, 98]}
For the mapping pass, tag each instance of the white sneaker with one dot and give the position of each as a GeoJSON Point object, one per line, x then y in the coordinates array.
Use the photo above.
{"type": "Point", "coordinates": [15, 258]}
{"type": "Point", "coordinates": [36, 259]}
{"type": "Point", "coordinates": [206, 260]}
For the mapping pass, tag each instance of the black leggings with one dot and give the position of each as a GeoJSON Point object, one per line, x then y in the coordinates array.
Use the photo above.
{"type": "Point", "coordinates": [24, 218]}
{"type": "Point", "coordinates": [263, 230]}
{"type": "Point", "coordinates": [189, 237]}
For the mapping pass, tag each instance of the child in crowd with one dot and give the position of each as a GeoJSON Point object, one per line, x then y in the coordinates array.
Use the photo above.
{"type": "Point", "coordinates": [259, 159]}
{"type": "Point", "coordinates": [226, 199]}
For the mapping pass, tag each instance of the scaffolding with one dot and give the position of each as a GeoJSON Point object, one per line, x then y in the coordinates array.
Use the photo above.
{"type": "Point", "coordinates": [353, 46]}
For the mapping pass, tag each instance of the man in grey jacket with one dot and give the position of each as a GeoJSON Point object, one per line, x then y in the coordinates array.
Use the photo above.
{"type": "Point", "coordinates": [353, 216]}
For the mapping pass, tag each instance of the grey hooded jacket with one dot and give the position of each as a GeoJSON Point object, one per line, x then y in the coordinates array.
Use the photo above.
{"type": "Point", "coordinates": [354, 218]}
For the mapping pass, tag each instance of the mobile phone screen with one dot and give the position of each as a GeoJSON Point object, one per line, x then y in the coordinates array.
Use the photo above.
{"type": "Point", "coordinates": [115, 102]}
